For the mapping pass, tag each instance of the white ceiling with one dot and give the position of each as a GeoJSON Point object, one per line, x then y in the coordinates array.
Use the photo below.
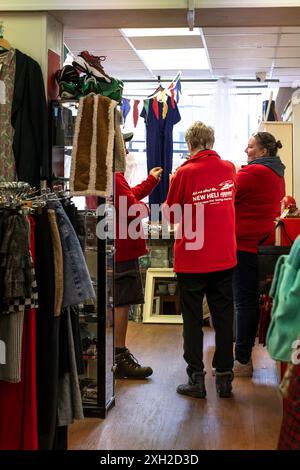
{"type": "Point", "coordinates": [234, 52]}
{"type": "Point", "coordinates": [39, 5]}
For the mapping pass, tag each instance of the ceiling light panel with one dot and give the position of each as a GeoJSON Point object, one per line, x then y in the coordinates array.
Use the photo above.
{"type": "Point", "coordinates": [175, 59]}
{"type": "Point", "coordinates": [142, 32]}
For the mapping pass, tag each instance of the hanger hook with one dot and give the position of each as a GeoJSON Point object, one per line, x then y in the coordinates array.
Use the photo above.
{"type": "Point", "coordinates": [1, 28]}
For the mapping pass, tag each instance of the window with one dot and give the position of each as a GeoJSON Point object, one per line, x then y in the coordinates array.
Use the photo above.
{"type": "Point", "coordinates": [234, 116]}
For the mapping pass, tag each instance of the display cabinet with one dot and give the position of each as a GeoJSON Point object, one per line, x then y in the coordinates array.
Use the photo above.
{"type": "Point", "coordinates": [97, 385]}
{"type": "Point", "coordinates": [162, 302]}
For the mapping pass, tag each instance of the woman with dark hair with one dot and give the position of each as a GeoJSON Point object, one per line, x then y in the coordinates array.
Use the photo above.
{"type": "Point", "coordinates": [260, 189]}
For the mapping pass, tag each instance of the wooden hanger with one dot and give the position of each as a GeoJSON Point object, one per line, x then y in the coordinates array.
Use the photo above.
{"type": "Point", "coordinates": [158, 89]}
{"type": "Point", "coordinates": [4, 45]}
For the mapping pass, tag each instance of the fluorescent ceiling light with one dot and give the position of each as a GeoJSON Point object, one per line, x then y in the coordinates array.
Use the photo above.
{"type": "Point", "coordinates": [142, 32]}
{"type": "Point", "coordinates": [174, 59]}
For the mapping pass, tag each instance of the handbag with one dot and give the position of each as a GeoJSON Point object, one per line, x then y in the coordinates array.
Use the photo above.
{"type": "Point", "coordinates": [267, 256]}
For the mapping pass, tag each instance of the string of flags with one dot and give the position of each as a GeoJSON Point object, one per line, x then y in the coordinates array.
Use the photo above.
{"type": "Point", "coordinates": [172, 91]}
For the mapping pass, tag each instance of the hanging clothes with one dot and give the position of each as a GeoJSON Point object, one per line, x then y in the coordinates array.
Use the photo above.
{"type": "Point", "coordinates": [39, 385]}
{"type": "Point", "coordinates": [7, 74]}
{"type": "Point", "coordinates": [77, 282]}
{"type": "Point", "coordinates": [29, 117]}
{"type": "Point", "coordinates": [93, 146]}
{"type": "Point", "coordinates": [289, 438]}
{"type": "Point", "coordinates": [159, 142]}
{"type": "Point", "coordinates": [58, 364]}
{"type": "Point", "coordinates": [18, 401]}
{"type": "Point", "coordinates": [23, 120]}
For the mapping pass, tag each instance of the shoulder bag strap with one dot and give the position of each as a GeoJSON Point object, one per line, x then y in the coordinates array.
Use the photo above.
{"type": "Point", "coordinates": [279, 223]}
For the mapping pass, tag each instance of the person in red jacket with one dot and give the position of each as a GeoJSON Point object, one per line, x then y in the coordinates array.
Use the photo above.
{"type": "Point", "coordinates": [260, 189]}
{"type": "Point", "coordinates": [130, 245]}
{"type": "Point", "coordinates": [205, 183]}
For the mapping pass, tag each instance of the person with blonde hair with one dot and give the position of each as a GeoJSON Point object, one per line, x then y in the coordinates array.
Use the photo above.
{"type": "Point", "coordinates": [205, 182]}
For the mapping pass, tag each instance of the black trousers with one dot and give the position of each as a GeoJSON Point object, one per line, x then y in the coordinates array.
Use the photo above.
{"type": "Point", "coordinates": [218, 289]}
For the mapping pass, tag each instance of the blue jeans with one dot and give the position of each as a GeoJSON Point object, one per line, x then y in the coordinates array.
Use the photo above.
{"type": "Point", "coordinates": [77, 281]}
{"type": "Point", "coordinates": [246, 304]}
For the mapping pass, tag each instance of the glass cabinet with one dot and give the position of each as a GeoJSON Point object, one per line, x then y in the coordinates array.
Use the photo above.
{"type": "Point", "coordinates": [97, 384]}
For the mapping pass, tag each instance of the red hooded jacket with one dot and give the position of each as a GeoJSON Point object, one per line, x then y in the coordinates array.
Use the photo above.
{"type": "Point", "coordinates": [128, 248]}
{"type": "Point", "coordinates": [257, 202]}
{"type": "Point", "coordinates": [206, 179]}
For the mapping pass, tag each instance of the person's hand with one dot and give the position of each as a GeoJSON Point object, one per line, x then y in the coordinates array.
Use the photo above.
{"type": "Point", "coordinates": [156, 172]}
{"type": "Point", "coordinates": [171, 175]}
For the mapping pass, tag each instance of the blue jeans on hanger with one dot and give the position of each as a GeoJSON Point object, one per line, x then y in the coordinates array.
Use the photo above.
{"type": "Point", "coordinates": [246, 304]}
{"type": "Point", "coordinates": [77, 282]}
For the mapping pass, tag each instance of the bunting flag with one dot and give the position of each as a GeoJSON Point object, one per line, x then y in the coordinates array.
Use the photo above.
{"type": "Point", "coordinates": [164, 98]}
{"type": "Point", "coordinates": [173, 90]}
{"type": "Point", "coordinates": [146, 106]}
{"type": "Point", "coordinates": [177, 88]}
{"type": "Point", "coordinates": [172, 98]}
{"type": "Point", "coordinates": [155, 107]}
{"type": "Point", "coordinates": [136, 112]}
{"type": "Point", "coordinates": [126, 107]}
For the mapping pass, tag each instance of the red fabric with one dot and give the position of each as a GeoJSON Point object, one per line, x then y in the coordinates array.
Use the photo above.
{"type": "Point", "coordinates": [265, 317]}
{"type": "Point", "coordinates": [18, 403]}
{"type": "Point", "coordinates": [258, 196]}
{"type": "Point", "coordinates": [155, 107]}
{"type": "Point", "coordinates": [289, 438]}
{"type": "Point", "coordinates": [135, 112]}
{"type": "Point", "coordinates": [173, 98]}
{"type": "Point", "coordinates": [91, 202]}
{"type": "Point", "coordinates": [129, 248]}
{"type": "Point", "coordinates": [207, 179]}
{"type": "Point", "coordinates": [290, 231]}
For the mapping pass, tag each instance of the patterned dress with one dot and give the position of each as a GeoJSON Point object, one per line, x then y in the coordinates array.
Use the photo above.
{"type": "Point", "coordinates": [7, 79]}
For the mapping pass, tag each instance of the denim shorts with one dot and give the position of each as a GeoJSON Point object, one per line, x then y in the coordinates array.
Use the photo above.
{"type": "Point", "coordinates": [77, 281]}
{"type": "Point", "coordinates": [128, 283]}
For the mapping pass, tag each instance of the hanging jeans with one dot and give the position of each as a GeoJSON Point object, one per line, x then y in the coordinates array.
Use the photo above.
{"type": "Point", "coordinates": [77, 282]}
{"type": "Point", "coordinates": [246, 304]}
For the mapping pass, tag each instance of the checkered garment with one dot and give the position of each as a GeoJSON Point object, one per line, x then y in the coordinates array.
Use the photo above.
{"type": "Point", "coordinates": [289, 438]}
{"type": "Point", "coordinates": [20, 304]}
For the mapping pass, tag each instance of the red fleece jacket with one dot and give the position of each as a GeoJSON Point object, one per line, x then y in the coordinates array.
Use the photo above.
{"type": "Point", "coordinates": [128, 248]}
{"type": "Point", "coordinates": [206, 179]}
{"type": "Point", "coordinates": [257, 203]}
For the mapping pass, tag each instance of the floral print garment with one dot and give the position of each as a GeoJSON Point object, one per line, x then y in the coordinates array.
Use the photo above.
{"type": "Point", "coordinates": [7, 75]}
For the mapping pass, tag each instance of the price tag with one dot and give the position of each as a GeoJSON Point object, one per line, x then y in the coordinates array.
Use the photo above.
{"type": "Point", "coordinates": [2, 92]}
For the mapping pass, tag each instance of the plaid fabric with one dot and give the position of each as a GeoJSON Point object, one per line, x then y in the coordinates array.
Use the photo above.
{"type": "Point", "coordinates": [289, 438]}
{"type": "Point", "coordinates": [18, 305]}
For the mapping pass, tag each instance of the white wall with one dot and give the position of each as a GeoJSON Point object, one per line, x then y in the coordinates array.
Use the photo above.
{"type": "Point", "coordinates": [27, 32]}
{"type": "Point", "coordinates": [54, 35]}
{"type": "Point", "coordinates": [33, 33]}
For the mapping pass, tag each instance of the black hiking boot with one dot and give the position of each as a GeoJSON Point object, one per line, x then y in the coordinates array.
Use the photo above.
{"type": "Point", "coordinates": [127, 367]}
{"type": "Point", "coordinates": [224, 384]}
{"type": "Point", "coordinates": [195, 386]}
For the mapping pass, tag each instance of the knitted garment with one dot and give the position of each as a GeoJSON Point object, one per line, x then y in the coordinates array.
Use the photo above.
{"type": "Point", "coordinates": [93, 145]}
{"type": "Point", "coordinates": [284, 328]}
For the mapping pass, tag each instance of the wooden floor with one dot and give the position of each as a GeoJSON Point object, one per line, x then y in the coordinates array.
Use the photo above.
{"type": "Point", "coordinates": [150, 415]}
